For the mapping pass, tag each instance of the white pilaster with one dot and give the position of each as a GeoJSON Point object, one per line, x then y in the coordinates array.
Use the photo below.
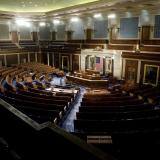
{"type": "Point", "coordinates": [138, 71]}
{"type": "Point", "coordinates": [53, 59]}
{"type": "Point", "coordinates": [29, 57]}
{"type": "Point", "coordinates": [48, 58]}
{"type": "Point", "coordinates": [5, 60]}
{"type": "Point", "coordinates": [123, 67]}
{"type": "Point", "coordinates": [18, 56]}
{"type": "Point", "coordinates": [36, 57]}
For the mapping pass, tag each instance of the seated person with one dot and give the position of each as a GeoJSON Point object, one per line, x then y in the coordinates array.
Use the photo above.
{"type": "Point", "coordinates": [45, 81]}
{"type": "Point", "coordinates": [1, 89]}
{"type": "Point", "coordinates": [8, 84]}
{"type": "Point", "coordinates": [20, 83]}
{"type": "Point", "coordinates": [39, 84]}
{"type": "Point", "coordinates": [29, 82]}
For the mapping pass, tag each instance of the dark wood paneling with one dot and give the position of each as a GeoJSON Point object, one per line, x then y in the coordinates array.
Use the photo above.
{"type": "Point", "coordinates": [151, 42]}
{"type": "Point", "coordinates": [88, 33]}
{"type": "Point", "coordinates": [44, 57]}
{"type": "Point", "coordinates": [53, 35]}
{"type": "Point", "coordinates": [56, 60]}
{"type": "Point", "coordinates": [32, 57]}
{"type": "Point", "coordinates": [39, 57]}
{"type": "Point", "coordinates": [22, 57]}
{"type": "Point", "coordinates": [124, 41]}
{"type": "Point", "coordinates": [142, 47]}
{"type": "Point", "coordinates": [34, 36]}
{"type": "Point", "coordinates": [75, 64]}
{"type": "Point", "coordinates": [131, 70]}
{"type": "Point", "coordinates": [93, 41]}
{"type": "Point", "coordinates": [145, 33]}
{"type": "Point", "coordinates": [92, 46]}
{"type": "Point", "coordinates": [68, 58]}
{"type": "Point", "coordinates": [121, 47]}
{"type": "Point", "coordinates": [69, 35]}
{"type": "Point", "coordinates": [150, 48]}
{"type": "Point", "coordinates": [2, 60]}
{"type": "Point", "coordinates": [149, 56]}
{"type": "Point", "coordinates": [12, 59]}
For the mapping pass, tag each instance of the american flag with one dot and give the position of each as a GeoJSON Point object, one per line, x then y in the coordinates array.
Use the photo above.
{"type": "Point", "coordinates": [99, 63]}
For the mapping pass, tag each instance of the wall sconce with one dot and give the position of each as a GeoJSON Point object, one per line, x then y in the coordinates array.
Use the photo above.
{"type": "Point", "coordinates": [137, 48]}
{"type": "Point", "coordinates": [139, 29]}
{"type": "Point", "coordinates": [118, 29]}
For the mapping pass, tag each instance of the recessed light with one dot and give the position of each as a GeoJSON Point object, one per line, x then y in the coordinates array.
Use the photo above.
{"type": "Point", "coordinates": [56, 21]}
{"type": "Point", "coordinates": [74, 19]}
{"type": "Point", "coordinates": [97, 15]}
{"type": "Point", "coordinates": [42, 24]}
{"type": "Point", "coordinates": [111, 16]}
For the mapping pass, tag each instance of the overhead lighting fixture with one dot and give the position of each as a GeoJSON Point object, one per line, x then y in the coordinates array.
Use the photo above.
{"type": "Point", "coordinates": [111, 16]}
{"type": "Point", "coordinates": [42, 24]}
{"type": "Point", "coordinates": [74, 19]}
{"type": "Point", "coordinates": [56, 21]}
{"type": "Point", "coordinates": [98, 15]}
{"type": "Point", "coordinates": [22, 22]}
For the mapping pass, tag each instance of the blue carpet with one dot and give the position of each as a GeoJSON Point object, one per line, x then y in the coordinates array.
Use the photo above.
{"type": "Point", "coordinates": [68, 124]}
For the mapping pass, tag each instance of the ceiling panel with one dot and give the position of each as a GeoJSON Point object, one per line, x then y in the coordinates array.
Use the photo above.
{"type": "Point", "coordinates": [38, 5]}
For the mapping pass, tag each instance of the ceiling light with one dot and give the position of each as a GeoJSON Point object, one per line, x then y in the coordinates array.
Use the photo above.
{"type": "Point", "coordinates": [42, 24]}
{"type": "Point", "coordinates": [56, 21]}
{"type": "Point", "coordinates": [20, 22]}
{"type": "Point", "coordinates": [111, 16]}
{"type": "Point", "coordinates": [97, 15]}
{"type": "Point", "coordinates": [74, 19]}
{"type": "Point", "coordinates": [23, 22]}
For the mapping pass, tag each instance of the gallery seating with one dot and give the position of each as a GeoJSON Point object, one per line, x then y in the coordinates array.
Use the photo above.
{"type": "Point", "coordinates": [41, 95]}
{"type": "Point", "coordinates": [110, 126]}
{"type": "Point", "coordinates": [107, 98]}
{"type": "Point", "coordinates": [112, 103]}
{"type": "Point", "coordinates": [6, 45]}
{"type": "Point", "coordinates": [115, 108]}
{"type": "Point", "coordinates": [32, 140]}
{"type": "Point", "coordinates": [38, 111]}
{"type": "Point", "coordinates": [37, 99]}
{"type": "Point", "coordinates": [117, 115]}
{"type": "Point", "coordinates": [115, 112]}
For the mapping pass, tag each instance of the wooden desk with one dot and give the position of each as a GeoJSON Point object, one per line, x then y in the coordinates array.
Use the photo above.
{"type": "Point", "coordinates": [87, 82]}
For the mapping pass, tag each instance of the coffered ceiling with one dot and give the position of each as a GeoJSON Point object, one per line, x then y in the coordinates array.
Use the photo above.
{"type": "Point", "coordinates": [41, 9]}
{"type": "Point", "coordinates": [38, 5]}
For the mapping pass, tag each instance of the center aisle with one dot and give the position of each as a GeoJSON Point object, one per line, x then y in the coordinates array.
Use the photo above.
{"type": "Point", "coordinates": [68, 124]}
